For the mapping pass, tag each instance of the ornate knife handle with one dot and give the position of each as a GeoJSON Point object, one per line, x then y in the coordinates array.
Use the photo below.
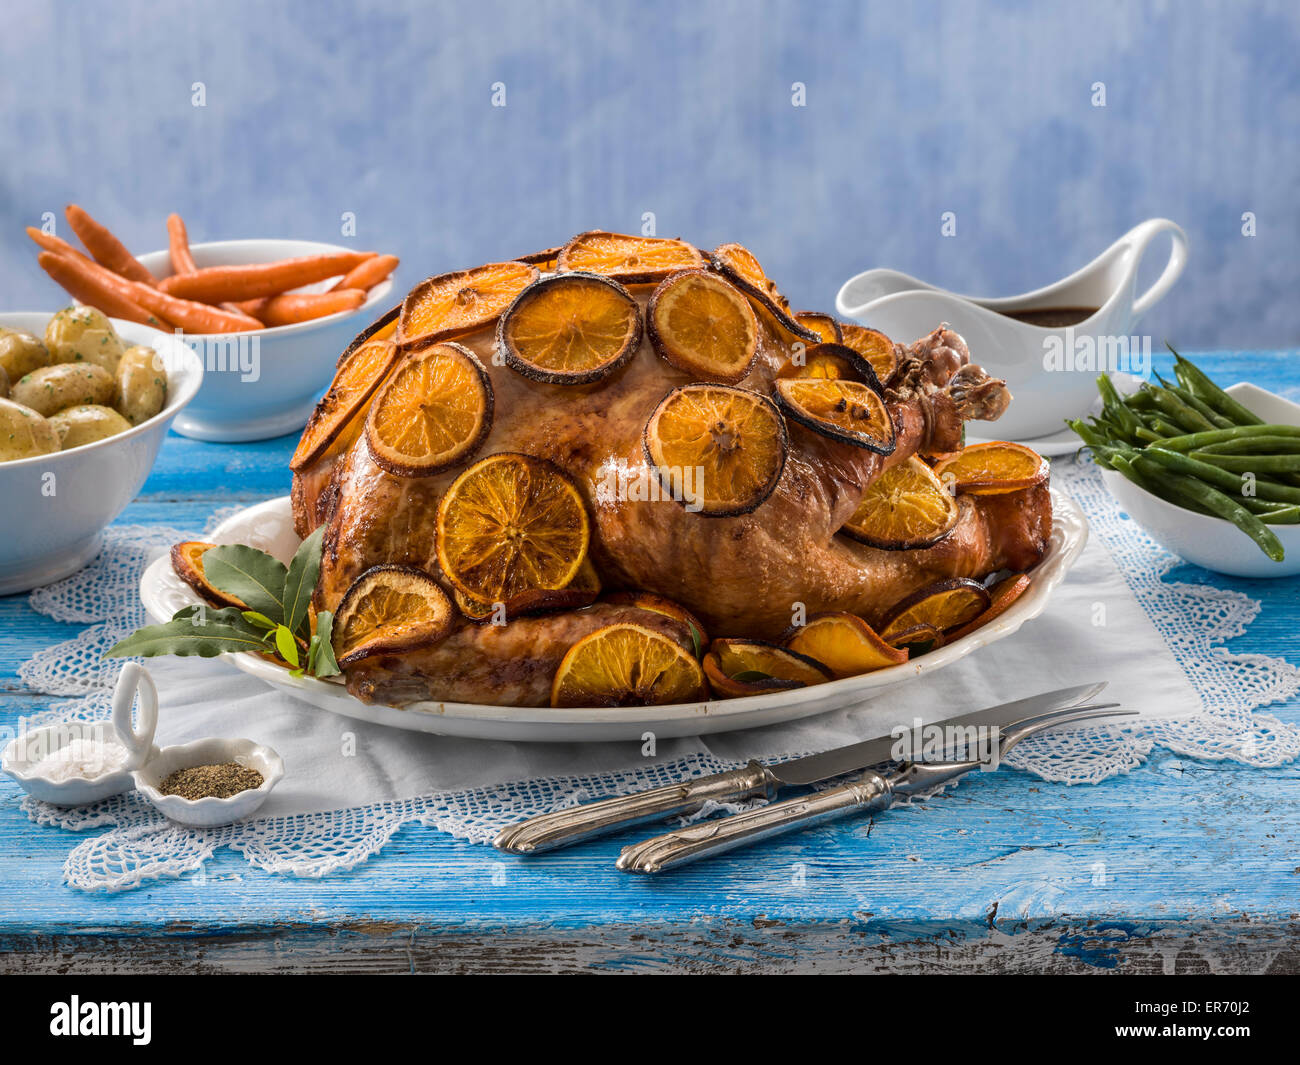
{"type": "Point", "coordinates": [562, 827]}
{"type": "Point", "coordinates": [870, 791]}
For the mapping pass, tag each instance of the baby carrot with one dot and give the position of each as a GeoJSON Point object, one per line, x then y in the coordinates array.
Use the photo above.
{"type": "Point", "coordinates": [215, 284]}
{"type": "Point", "coordinates": [86, 287]}
{"type": "Point", "coordinates": [291, 307]}
{"type": "Point", "coordinates": [105, 248]}
{"type": "Point", "coordinates": [368, 274]}
{"type": "Point", "coordinates": [192, 316]}
{"type": "Point", "coordinates": [178, 244]}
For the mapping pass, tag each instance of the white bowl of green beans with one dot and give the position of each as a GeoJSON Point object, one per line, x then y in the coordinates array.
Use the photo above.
{"type": "Point", "coordinates": [1211, 474]}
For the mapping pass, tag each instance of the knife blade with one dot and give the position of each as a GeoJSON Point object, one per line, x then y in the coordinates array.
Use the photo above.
{"type": "Point", "coordinates": [561, 828]}
{"type": "Point", "coordinates": [818, 767]}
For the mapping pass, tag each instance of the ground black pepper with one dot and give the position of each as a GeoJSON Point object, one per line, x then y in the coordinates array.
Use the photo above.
{"type": "Point", "coordinates": [211, 781]}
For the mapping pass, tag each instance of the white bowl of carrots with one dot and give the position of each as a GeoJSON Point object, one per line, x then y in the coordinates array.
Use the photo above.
{"type": "Point", "coordinates": [268, 318]}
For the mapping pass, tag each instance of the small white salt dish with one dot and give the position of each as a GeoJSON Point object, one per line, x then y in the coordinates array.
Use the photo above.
{"type": "Point", "coordinates": [27, 758]}
{"type": "Point", "coordinates": [212, 811]}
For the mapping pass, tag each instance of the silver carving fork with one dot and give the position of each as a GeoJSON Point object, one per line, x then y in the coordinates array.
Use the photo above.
{"type": "Point", "coordinates": [868, 792]}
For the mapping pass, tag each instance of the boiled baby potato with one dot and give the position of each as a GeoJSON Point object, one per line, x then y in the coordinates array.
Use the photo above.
{"type": "Point", "coordinates": [4, 383]}
{"type": "Point", "coordinates": [84, 334]}
{"type": "Point", "coordinates": [141, 384]}
{"type": "Point", "coordinates": [52, 388]}
{"type": "Point", "coordinates": [87, 423]}
{"type": "Point", "coordinates": [24, 432]}
{"type": "Point", "coordinates": [21, 353]}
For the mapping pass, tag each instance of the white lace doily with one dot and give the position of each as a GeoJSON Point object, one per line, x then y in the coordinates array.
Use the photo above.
{"type": "Point", "coordinates": [141, 845]}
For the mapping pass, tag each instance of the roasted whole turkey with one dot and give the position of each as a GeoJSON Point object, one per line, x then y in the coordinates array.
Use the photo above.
{"type": "Point", "coordinates": [551, 480]}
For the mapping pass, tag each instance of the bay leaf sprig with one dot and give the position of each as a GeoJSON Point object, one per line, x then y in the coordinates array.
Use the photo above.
{"type": "Point", "coordinates": [277, 620]}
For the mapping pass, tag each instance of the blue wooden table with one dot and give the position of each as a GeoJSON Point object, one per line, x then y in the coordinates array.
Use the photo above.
{"type": "Point", "coordinates": [1181, 866]}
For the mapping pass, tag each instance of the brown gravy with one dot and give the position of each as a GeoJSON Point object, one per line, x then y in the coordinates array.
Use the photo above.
{"type": "Point", "coordinates": [1052, 317]}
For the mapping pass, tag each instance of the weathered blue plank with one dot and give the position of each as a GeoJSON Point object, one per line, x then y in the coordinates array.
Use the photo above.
{"type": "Point", "coordinates": [1126, 873]}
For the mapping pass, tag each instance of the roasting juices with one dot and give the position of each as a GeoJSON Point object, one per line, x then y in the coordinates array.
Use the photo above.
{"type": "Point", "coordinates": [1052, 317]}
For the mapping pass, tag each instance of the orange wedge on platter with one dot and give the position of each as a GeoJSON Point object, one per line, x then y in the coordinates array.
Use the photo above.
{"type": "Point", "coordinates": [632, 260]}
{"type": "Point", "coordinates": [511, 524]}
{"type": "Point", "coordinates": [993, 468]}
{"type": "Point", "coordinates": [944, 605]}
{"type": "Point", "coordinates": [905, 508]}
{"type": "Point", "coordinates": [731, 441]}
{"type": "Point", "coordinates": [627, 665]}
{"type": "Point", "coordinates": [569, 329]}
{"type": "Point", "coordinates": [873, 346]}
{"type": "Point", "coordinates": [434, 411]}
{"type": "Point", "coordinates": [704, 326]}
{"type": "Point", "coordinates": [917, 639]}
{"type": "Point", "coordinates": [737, 264]}
{"type": "Point", "coordinates": [1002, 595]}
{"type": "Point", "coordinates": [737, 668]}
{"type": "Point", "coordinates": [389, 610]}
{"type": "Point", "coordinates": [450, 305]}
{"type": "Point", "coordinates": [187, 563]}
{"type": "Point", "coordinates": [851, 412]}
{"type": "Point", "coordinates": [355, 381]}
{"type": "Point", "coordinates": [824, 325]}
{"type": "Point", "coordinates": [844, 643]}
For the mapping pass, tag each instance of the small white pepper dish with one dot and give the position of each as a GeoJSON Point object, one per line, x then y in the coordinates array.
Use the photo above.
{"type": "Point", "coordinates": [74, 763]}
{"type": "Point", "coordinates": [212, 811]}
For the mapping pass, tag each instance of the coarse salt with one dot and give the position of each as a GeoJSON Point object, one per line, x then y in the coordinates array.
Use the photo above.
{"type": "Point", "coordinates": [81, 759]}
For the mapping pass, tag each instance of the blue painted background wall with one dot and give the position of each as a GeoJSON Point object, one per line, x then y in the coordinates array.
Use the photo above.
{"type": "Point", "coordinates": [683, 109]}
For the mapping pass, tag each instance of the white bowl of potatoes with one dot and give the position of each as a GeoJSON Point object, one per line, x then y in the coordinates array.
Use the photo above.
{"type": "Point", "coordinates": [85, 402]}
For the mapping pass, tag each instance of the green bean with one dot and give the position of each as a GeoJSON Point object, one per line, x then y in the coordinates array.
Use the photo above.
{"type": "Point", "coordinates": [1200, 493]}
{"type": "Point", "coordinates": [1113, 406]}
{"type": "Point", "coordinates": [1201, 407]}
{"type": "Point", "coordinates": [1180, 463]}
{"type": "Point", "coordinates": [1254, 445]}
{"type": "Point", "coordinates": [1191, 420]}
{"type": "Point", "coordinates": [1189, 441]}
{"type": "Point", "coordinates": [1193, 378]}
{"type": "Point", "coordinates": [1139, 400]}
{"type": "Point", "coordinates": [1249, 463]}
{"type": "Point", "coordinates": [1147, 436]}
{"type": "Point", "coordinates": [1158, 425]}
{"type": "Point", "coordinates": [1282, 516]}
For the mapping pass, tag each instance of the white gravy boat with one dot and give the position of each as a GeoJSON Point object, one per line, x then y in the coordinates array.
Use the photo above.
{"type": "Point", "coordinates": [1051, 371]}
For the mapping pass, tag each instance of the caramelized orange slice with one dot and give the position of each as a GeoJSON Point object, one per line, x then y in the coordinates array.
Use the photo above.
{"type": "Point", "coordinates": [658, 604]}
{"type": "Point", "coordinates": [582, 591]}
{"type": "Point", "coordinates": [736, 668]}
{"type": "Point", "coordinates": [917, 639]}
{"type": "Point", "coordinates": [834, 362]}
{"type": "Point", "coordinates": [187, 563]}
{"type": "Point", "coordinates": [570, 329]}
{"type": "Point", "coordinates": [383, 328]}
{"type": "Point", "coordinates": [990, 469]}
{"type": "Point", "coordinates": [845, 643]}
{"type": "Point", "coordinates": [511, 524]}
{"type": "Point", "coordinates": [632, 260]}
{"type": "Point", "coordinates": [703, 325]}
{"type": "Point", "coordinates": [738, 265]}
{"type": "Point", "coordinates": [727, 444]}
{"type": "Point", "coordinates": [452, 304]}
{"type": "Point", "coordinates": [944, 605]}
{"type": "Point", "coordinates": [849, 411]}
{"type": "Point", "coordinates": [543, 260]}
{"type": "Point", "coordinates": [825, 326]}
{"type": "Point", "coordinates": [906, 507]}
{"type": "Point", "coordinates": [873, 346]}
{"type": "Point", "coordinates": [354, 383]}
{"type": "Point", "coordinates": [389, 610]}
{"type": "Point", "coordinates": [627, 665]}
{"type": "Point", "coordinates": [1003, 594]}
{"type": "Point", "coordinates": [433, 412]}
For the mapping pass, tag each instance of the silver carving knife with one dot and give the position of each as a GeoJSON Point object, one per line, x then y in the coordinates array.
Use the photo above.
{"type": "Point", "coordinates": [869, 792]}
{"type": "Point", "coordinates": [561, 828]}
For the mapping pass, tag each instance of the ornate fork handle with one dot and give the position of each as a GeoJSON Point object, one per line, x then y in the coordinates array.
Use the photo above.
{"type": "Point", "coordinates": [870, 791]}
{"type": "Point", "coordinates": [563, 827]}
